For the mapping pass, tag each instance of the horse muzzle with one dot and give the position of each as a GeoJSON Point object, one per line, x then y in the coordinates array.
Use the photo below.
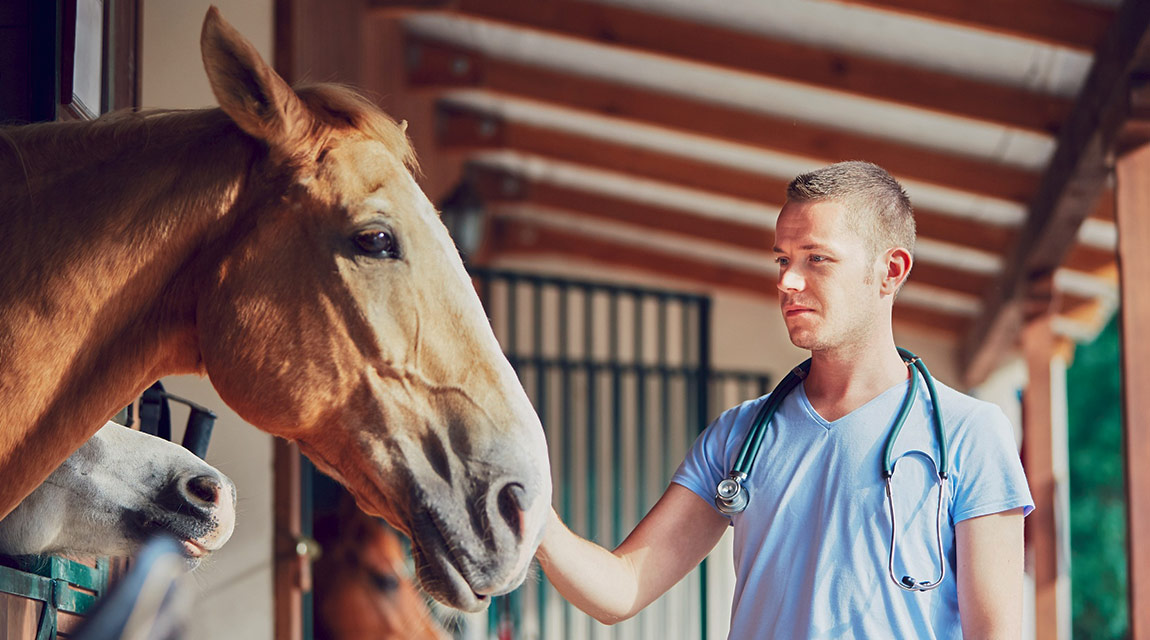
{"type": "Point", "coordinates": [480, 548]}
{"type": "Point", "coordinates": [198, 509]}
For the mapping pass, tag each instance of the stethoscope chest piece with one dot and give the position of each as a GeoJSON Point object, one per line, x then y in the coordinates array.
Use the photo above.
{"type": "Point", "coordinates": [730, 497]}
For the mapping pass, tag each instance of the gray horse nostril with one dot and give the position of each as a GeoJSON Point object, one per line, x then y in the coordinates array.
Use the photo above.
{"type": "Point", "coordinates": [512, 504]}
{"type": "Point", "coordinates": [204, 489]}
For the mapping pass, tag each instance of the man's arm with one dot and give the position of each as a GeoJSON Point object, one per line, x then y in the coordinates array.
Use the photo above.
{"type": "Point", "coordinates": [678, 532]}
{"type": "Point", "coordinates": [990, 575]}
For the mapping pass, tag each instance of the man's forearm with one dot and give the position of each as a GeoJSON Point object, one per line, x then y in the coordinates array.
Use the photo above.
{"type": "Point", "coordinates": [592, 578]}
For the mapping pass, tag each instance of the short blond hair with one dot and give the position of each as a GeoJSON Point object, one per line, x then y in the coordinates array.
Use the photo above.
{"type": "Point", "coordinates": [879, 208]}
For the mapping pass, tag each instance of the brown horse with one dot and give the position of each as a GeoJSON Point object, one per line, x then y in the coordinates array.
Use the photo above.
{"type": "Point", "coordinates": [280, 245]}
{"type": "Point", "coordinates": [362, 586]}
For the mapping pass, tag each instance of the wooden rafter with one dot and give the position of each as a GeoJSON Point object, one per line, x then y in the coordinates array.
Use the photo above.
{"type": "Point", "coordinates": [1076, 25]}
{"type": "Point", "coordinates": [1069, 189]}
{"type": "Point", "coordinates": [464, 129]}
{"type": "Point", "coordinates": [771, 58]}
{"type": "Point", "coordinates": [445, 66]}
{"type": "Point", "coordinates": [498, 187]}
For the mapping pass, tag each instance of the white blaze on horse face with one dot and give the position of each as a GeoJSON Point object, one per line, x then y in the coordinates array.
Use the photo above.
{"type": "Point", "coordinates": [119, 488]}
{"type": "Point", "coordinates": [450, 433]}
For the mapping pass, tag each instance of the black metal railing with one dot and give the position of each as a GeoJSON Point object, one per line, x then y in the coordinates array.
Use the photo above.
{"type": "Point", "coordinates": [622, 380]}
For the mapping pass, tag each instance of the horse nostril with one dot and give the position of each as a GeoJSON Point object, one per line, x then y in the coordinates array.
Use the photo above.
{"type": "Point", "coordinates": [512, 504]}
{"type": "Point", "coordinates": [204, 488]}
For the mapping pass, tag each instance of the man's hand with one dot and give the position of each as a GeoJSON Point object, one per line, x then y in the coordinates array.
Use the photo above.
{"type": "Point", "coordinates": [678, 532]}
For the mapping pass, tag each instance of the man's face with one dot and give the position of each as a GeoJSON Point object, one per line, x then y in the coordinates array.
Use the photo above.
{"type": "Point", "coordinates": [828, 280]}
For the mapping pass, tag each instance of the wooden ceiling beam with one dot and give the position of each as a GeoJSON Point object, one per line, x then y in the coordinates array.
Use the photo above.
{"type": "Point", "coordinates": [1075, 25]}
{"type": "Point", "coordinates": [692, 41]}
{"type": "Point", "coordinates": [498, 187]}
{"type": "Point", "coordinates": [462, 129]}
{"type": "Point", "coordinates": [1069, 189]}
{"type": "Point", "coordinates": [507, 237]}
{"type": "Point", "coordinates": [441, 66]}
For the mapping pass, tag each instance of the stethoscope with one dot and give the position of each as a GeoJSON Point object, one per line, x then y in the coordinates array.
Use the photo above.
{"type": "Point", "coordinates": [731, 497]}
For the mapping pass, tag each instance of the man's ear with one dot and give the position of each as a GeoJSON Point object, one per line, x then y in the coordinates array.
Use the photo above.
{"type": "Point", "coordinates": [898, 262]}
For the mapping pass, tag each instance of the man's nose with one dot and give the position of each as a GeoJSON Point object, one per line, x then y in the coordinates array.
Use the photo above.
{"type": "Point", "coordinates": [790, 280]}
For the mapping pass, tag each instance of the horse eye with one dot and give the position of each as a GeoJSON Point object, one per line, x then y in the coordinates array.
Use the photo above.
{"type": "Point", "coordinates": [384, 582]}
{"type": "Point", "coordinates": [376, 243]}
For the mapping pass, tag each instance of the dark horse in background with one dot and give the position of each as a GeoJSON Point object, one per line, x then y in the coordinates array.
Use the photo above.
{"type": "Point", "coordinates": [280, 245]}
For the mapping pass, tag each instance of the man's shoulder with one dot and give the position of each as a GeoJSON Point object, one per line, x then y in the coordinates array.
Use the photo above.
{"type": "Point", "coordinates": [957, 405]}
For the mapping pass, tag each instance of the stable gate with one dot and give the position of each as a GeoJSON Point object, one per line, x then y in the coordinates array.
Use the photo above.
{"type": "Point", "coordinates": [622, 380]}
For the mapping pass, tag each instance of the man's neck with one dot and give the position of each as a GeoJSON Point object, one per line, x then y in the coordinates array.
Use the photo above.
{"type": "Point", "coordinates": [843, 379]}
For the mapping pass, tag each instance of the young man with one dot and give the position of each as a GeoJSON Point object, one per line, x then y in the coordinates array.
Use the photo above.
{"type": "Point", "coordinates": [811, 549]}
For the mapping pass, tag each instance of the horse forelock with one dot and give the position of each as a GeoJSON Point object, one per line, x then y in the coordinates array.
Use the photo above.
{"type": "Point", "coordinates": [340, 108]}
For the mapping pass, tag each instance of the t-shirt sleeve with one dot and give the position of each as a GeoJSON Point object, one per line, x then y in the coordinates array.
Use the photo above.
{"type": "Point", "coordinates": [709, 460]}
{"type": "Point", "coordinates": [987, 471]}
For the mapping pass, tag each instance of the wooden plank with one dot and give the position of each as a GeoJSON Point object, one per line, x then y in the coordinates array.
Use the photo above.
{"type": "Point", "coordinates": [290, 569]}
{"type": "Point", "coordinates": [1075, 25]}
{"type": "Point", "coordinates": [124, 56]}
{"type": "Point", "coordinates": [1038, 458]}
{"type": "Point", "coordinates": [496, 187]}
{"type": "Point", "coordinates": [1133, 195]}
{"type": "Point", "coordinates": [461, 129]}
{"type": "Point", "coordinates": [776, 59]}
{"type": "Point", "coordinates": [444, 66]}
{"type": "Point", "coordinates": [689, 225]}
{"type": "Point", "coordinates": [1069, 189]}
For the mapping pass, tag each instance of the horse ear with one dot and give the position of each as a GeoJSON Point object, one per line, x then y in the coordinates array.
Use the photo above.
{"type": "Point", "coordinates": [247, 88]}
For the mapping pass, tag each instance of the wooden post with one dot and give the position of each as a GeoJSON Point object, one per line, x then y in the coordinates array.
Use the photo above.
{"type": "Point", "coordinates": [1133, 215]}
{"type": "Point", "coordinates": [1042, 471]}
{"type": "Point", "coordinates": [291, 568]}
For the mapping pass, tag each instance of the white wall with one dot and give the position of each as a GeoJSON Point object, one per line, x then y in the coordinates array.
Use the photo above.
{"type": "Point", "coordinates": [234, 588]}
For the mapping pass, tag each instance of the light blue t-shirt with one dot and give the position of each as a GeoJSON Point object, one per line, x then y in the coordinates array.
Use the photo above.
{"type": "Point", "coordinates": [811, 548]}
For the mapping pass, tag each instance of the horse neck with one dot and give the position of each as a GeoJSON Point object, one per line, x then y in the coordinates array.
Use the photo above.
{"type": "Point", "coordinates": [101, 220]}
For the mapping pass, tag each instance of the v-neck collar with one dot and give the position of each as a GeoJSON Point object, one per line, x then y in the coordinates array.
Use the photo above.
{"type": "Point", "coordinates": [805, 402]}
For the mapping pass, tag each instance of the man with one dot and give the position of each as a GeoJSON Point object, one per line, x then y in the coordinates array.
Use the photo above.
{"type": "Point", "coordinates": [811, 549]}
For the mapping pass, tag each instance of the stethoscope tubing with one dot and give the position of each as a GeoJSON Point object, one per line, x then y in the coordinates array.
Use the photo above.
{"type": "Point", "coordinates": [907, 583]}
{"type": "Point", "coordinates": [731, 497]}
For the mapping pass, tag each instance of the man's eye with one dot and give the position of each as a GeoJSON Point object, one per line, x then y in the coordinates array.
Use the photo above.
{"type": "Point", "coordinates": [782, 262]}
{"type": "Point", "coordinates": [818, 258]}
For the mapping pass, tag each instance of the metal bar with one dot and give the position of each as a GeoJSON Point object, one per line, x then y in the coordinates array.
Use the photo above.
{"type": "Point", "coordinates": [512, 346]}
{"type": "Point", "coordinates": [542, 409]}
{"type": "Point", "coordinates": [568, 436]}
{"type": "Point", "coordinates": [592, 425]}
{"type": "Point", "coordinates": [664, 391]}
{"type": "Point", "coordinates": [664, 420]}
{"type": "Point", "coordinates": [640, 412]}
{"type": "Point", "coordinates": [616, 421]}
{"type": "Point", "coordinates": [703, 412]}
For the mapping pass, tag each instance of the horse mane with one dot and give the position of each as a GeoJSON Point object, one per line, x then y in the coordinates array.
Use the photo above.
{"type": "Point", "coordinates": [334, 106]}
{"type": "Point", "coordinates": [341, 107]}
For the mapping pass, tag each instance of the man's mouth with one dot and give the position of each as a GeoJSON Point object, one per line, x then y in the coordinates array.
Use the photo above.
{"type": "Point", "coordinates": [796, 310]}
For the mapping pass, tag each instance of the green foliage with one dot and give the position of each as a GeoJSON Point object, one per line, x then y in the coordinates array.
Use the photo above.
{"type": "Point", "coordinates": [1097, 489]}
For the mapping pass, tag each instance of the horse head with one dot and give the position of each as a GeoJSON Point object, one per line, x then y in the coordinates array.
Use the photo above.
{"type": "Point", "coordinates": [339, 315]}
{"type": "Point", "coordinates": [117, 490]}
{"type": "Point", "coordinates": [362, 587]}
